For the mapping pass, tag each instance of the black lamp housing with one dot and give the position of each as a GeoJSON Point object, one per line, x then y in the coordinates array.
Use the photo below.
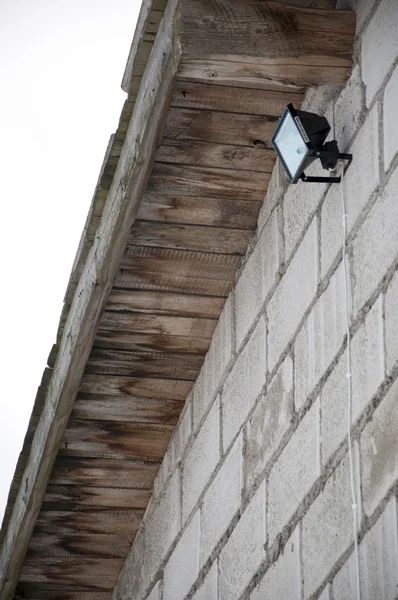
{"type": "Point", "coordinates": [299, 140]}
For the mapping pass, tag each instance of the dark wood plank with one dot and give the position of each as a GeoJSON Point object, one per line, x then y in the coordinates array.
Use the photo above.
{"type": "Point", "coordinates": [141, 342]}
{"type": "Point", "coordinates": [157, 324]}
{"type": "Point", "coordinates": [256, 158]}
{"type": "Point", "coordinates": [138, 387]}
{"type": "Point", "coordinates": [177, 271]}
{"type": "Point", "coordinates": [127, 409]}
{"type": "Point", "coordinates": [220, 212]}
{"type": "Point", "coordinates": [203, 96]}
{"type": "Point", "coordinates": [144, 440]}
{"type": "Point", "coordinates": [216, 240]}
{"type": "Point", "coordinates": [181, 305]}
{"type": "Point", "coordinates": [89, 521]}
{"type": "Point", "coordinates": [104, 472]}
{"type": "Point", "coordinates": [175, 180]}
{"type": "Point", "coordinates": [185, 124]}
{"type": "Point", "coordinates": [77, 497]}
{"type": "Point", "coordinates": [94, 545]}
{"type": "Point", "coordinates": [54, 591]}
{"type": "Point", "coordinates": [144, 364]}
{"type": "Point", "coordinates": [99, 573]}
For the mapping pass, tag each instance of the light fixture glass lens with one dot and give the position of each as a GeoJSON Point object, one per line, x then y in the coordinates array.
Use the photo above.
{"type": "Point", "coordinates": [290, 144]}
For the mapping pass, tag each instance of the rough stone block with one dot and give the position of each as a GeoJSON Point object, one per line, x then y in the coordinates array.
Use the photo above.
{"type": "Point", "coordinates": [348, 109]}
{"type": "Point", "coordinates": [183, 565]}
{"type": "Point", "coordinates": [301, 201]}
{"type": "Point", "coordinates": [244, 551]}
{"type": "Point", "coordinates": [379, 451]}
{"type": "Point", "coordinates": [156, 593]}
{"type": "Point", "coordinates": [209, 588]}
{"type": "Point", "coordinates": [294, 473]}
{"type": "Point", "coordinates": [293, 295]}
{"type": "Point", "coordinates": [283, 580]}
{"type": "Point", "coordinates": [320, 338]}
{"type": "Point", "coordinates": [390, 119]}
{"type": "Point", "coordinates": [269, 422]}
{"type": "Point", "coordinates": [201, 460]}
{"type": "Point", "coordinates": [327, 528]}
{"type": "Point", "coordinates": [379, 47]}
{"type": "Point", "coordinates": [244, 384]}
{"type": "Point", "coordinates": [359, 182]}
{"type": "Point", "coordinates": [367, 358]}
{"type": "Point", "coordinates": [372, 260]}
{"type": "Point", "coordinates": [162, 524]}
{"type": "Point", "coordinates": [258, 276]}
{"type": "Point", "coordinates": [221, 500]}
{"type": "Point", "coordinates": [378, 560]}
{"type": "Point", "coordinates": [391, 324]}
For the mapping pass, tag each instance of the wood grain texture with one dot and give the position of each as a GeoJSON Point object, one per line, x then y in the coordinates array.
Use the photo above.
{"type": "Point", "coordinates": [157, 324]}
{"type": "Point", "coordinates": [126, 409]}
{"type": "Point", "coordinates": [177, 271]}
{"type": "Point", "coordinates": [95, 545]}
{"type": "Point", "coordinates": [200, 211]}
{"type": "Point", "coordinates": [104, 472]}
{"type": "Point", "coordinates": [215, 240]}
{"type": "Point", "coordinates": [137, 387]}
{"type": "Point", "coordinates": [46, 591]}
{"type": "Point", "coordinates": [138, 342]}
{"type": "Point", "coordinates": [58, 497]}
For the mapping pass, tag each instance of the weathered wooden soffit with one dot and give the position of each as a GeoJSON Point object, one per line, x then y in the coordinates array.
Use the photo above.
{"type": "Point", "coordinates": [175, 207]}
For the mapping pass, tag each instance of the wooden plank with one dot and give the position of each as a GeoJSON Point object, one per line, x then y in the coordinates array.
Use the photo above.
{"type": "Point", "coordinates": [200, 211]}
{"type": "Point", "coordinates": [77, 497]}
{"type": "Point", "coordinates": [270, 30]}
{"type": "Point", "coordinates": [143, 364]}
{"type": "Point", "coordinates": [89, 300]}
{"type": "Point", "coordinates": [143, 440]}
{"type": "Point", "coordinates": [127, 409]}
{"type": "Point", "coordinates": [104, 472]}
{"type": "Point", "coordinates": [177, 271]}
{"type": "Point", "coordinates": [222, 156]}
{"type": "Point", "coordinates": [138, 387]}
{"type": "Point", "coordinates": [41, 591]}
{"type": "Point", "coordinates": [138, 342]}
{"type": "Point", "coordinates": [185, 124]}
{"type": "Point", "coordinates": [183, 305]}
{"type": "Point", "coordinates": [99, 573]}
{"type": "Point", "coordinates": [194, 95]}
{"type": "Point", "coordinates": [176, 180]}
{"type": "Point", "coordinates": [157, 324]}
{"type": "Point", "coordinates": [89, 522]}
{"type": "Point", "coordinates": [217, 240]}
{"type": "Point", "coordinates": [243, 72]}
{"type": "Point", "coordinates": [94, 545]}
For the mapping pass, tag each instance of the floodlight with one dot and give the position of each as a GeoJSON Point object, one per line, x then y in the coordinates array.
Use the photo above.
{"type": "Point", "coordinates": [299, 140]}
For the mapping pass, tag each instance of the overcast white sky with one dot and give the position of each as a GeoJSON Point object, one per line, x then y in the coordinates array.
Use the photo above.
{"type": "Point", "coordinates": [61, 64]}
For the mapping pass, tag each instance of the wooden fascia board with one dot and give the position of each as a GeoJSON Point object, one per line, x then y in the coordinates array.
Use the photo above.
{"type": "Point", "coordinates": [121, 207]}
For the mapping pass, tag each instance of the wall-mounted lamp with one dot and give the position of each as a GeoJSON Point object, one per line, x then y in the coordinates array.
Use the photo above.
{"type": "Point", "coordinates": [299, 139]}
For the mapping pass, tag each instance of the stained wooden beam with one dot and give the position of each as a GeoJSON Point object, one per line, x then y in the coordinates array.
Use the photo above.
{"type": "Point", "coordinates": [136, 387]}
{"type": "Point", "coordinates": [104, 472]}
{"type": "Point", "coordinates": [76, 497]}
{"type": "Point", "coordinates": [99, 407]}
{"type": "Point", "coordinates": [269, 45]}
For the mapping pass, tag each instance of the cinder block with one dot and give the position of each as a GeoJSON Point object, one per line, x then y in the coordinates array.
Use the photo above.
{"type": "Point", "coordinates": [283, 580]}
{"type": "Point", "coordinates": [378, 562]}
{"type": "Point", "coordinates": [209, 588]}
{"type": "Point", "coordinates": [360, 181]}
{"type": "Point", "coordinates": [269, 422]}
{"type": "Point", "coordinates": [362, 8]}
{"type": "Point", "coordinates": [320, 338]}
{"type": "Point", "coordinates": [379, 47]}
{"type": "Point", "coordinates": [182, 568]}
{"type": "Point", "coordinates": [348, 109]}
{"type": "Point", "coordinates": [367, 358]}
{"type": "Point", "coordinates": [301, 201]}
{"type": "Point", "coordinates": [130, 581]}
{"type": "Point", "coordinates": [277, 186]}
{"type": "Point", "coordinates": [156, 593]}
{"type": "Point", "coordinates": [372, 260]}
{"type": "Point", "coordinates": [223, 343]}
{"type": "Point", "coordinates": [244, 384]}
{"type": "Point", "coordinates": [221, 500]}
{"type": "Point", "coordinates": [391, 323]}
{"type": "Point", "coordinates": [201, 400]}
{"type": "Point", "coordinates": [390, 119]}
{"type": "Point", "coordinates": [244, 551]}
{"type": "Point", "coordinates": [182, 432]}
{"type": "Point", "coordinates": [334, 409]}
{"type": "Point", "coordinates": [379, 451]}
{"type": "Point", "coordinates": [258, 276]}
{"type": "Point", "coordinates": [327, 528]}
{"type": "Point", "coordinates": [293, 295]}
{"type": "Point", "coordinates": [326, 593]}
{"type": "Point", "coordinates": [201, 460]}
{"type": "Point", "coordinates": [162, 524]}
{"type": "Point", "coordinates": [294, 472]}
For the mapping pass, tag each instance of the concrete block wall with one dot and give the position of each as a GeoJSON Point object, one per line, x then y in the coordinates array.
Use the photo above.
{"type": "Point", "coordinates": [253, 500]}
